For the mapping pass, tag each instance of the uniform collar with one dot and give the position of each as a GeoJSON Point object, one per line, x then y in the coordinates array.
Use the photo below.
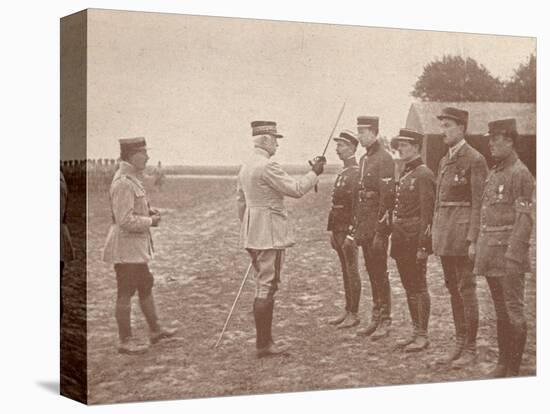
{"type": "Point", "coordinates": [506, 162]}
{"type": "Point", "coordinates": [350, 162]}
{"type": "Point", "coordinates": [262, 152]}
{"type": "Point", "coordinates": [456, 147]}
{"type": "Point", "coordinates": [412, 164]}
{"type": "Point", "coordinates": [373, 148]}
{"type": "Point", "coordinates": [128, 169]}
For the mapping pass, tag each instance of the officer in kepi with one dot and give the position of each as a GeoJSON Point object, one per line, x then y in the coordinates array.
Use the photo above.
{"type": "Point", "coordinates": [503, 244]}
{"type": "Point", "coordinates": [461, 175]}
{"type": "Point", "coordinates": [411, 234]}
{"type": "Point", "coordinates": [129, 246]}
{"type": "Point", "coordinates": [266, 232]}
{"type": "Point", "coordinates": [339, 221]}
{"type": "Point", "coordinates": [371, 222]}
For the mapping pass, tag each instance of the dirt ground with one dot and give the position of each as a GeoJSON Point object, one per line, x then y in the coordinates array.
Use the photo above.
{"type": "Point", "coordinates": [198, 269]}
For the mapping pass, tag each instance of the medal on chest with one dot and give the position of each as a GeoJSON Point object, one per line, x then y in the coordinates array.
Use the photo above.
{"type": "Point", "coordinates": [500, 191]}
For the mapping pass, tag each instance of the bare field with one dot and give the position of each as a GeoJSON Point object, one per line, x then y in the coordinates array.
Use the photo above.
{"type": "Point", "coordinates": [198, 270]}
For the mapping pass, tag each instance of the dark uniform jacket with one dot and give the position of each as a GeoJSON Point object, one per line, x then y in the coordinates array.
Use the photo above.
{"type": "Point", "coordinates": [373, 200]}
{"type": "Point", "coordinates": [506, 220]}
{"type": "Point", "coordinates": [341, 215]}
{"type": "Point", "coordinates": [413, 210]}
{"type": "Point", "coordinates": [460, 182]}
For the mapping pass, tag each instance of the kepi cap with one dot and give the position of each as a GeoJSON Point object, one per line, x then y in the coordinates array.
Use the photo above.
{"type": "Point", "coordinates": [347, 136]}
{"type": "Point", "coordinates": [264, 128]}
{"type": "Point", "coordinates": [368, 122]}
{"type": "Point", "coordinates": [408, 135]}
{"type": "Point", "coordinates": [132, 144]}
{"type": "Point", "coordinates": [503, 126]}
{"type": "Point", "coordinates": [455, 114]}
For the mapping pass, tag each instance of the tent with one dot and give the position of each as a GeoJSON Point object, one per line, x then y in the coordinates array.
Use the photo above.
{"type": "Point", "coordinates": [423, 118]}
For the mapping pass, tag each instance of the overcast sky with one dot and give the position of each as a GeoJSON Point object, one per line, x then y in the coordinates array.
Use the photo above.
{"type": "Point", "coordinates": [191, 85]}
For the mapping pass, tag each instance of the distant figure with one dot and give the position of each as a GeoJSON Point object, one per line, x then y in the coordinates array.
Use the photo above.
{"type": "Point", "coordinates": [66, 246]}
{"type": "Point", "coordinates": [129, 245]}
{"type": "Point", "coordinates": [262, 186]}
{"type": "Point", "coordinates": [159, 176]}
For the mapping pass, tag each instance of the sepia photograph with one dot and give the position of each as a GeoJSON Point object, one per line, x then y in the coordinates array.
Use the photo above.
{"type": "Point", "coordinates": [254, 206]}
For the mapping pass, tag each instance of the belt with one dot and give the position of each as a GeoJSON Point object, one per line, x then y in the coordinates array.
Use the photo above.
{"type": "Point", "coordinates": [338, 206]}
{"type": "Point", "coordinates": [493, 229]}
{"type": "Point", "coordinates": [397, 218]}
{"type": "Point", "coordinates": [455, 204]}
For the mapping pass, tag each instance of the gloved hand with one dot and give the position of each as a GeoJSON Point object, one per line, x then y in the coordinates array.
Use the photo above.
{"type": "Point", "coordinates": [349, 244]}
{"type": "Point", "coordinates": [380, 243]}
{"type": "Point", "coordinates": [156, 219]}
{"type": "Point", "coordinates": [318, 164]}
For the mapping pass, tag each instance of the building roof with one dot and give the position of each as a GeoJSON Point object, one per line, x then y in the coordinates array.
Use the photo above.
{"type": "Point", "coordinates": [422, 116]}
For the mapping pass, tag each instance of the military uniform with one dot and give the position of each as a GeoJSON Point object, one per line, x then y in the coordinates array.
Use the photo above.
{"type": "Point", "coordinates": [266, 231]}
{"type": "Point", "coordinates": [411, 239]}
{"type": "Point", "coordinates": [460, 182]}
{"type": "Point", "coordinates": [129, 247]}
{"type": "Point", "coordinates": [372, 211]}
{"type": "Point", "coordinates": [503, 249]}
{"type": "Point", "coordinates": [339, 221]}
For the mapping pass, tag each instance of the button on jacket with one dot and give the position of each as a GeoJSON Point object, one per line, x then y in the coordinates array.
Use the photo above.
{"type": "Point", "coordinates": [129, 238]}
{"type": "Point", "coordinates": [374, 199]}
{"type": "Point", "coordinates": [261, 187]}
{"type": "Point", "coordinates": [506, 220]}
{"type": "Point", "coordinates": [341, 214]}
{"type": "Point", "coordinates": [413, 209]}
{"type": "Point", "coordinates": [460, 181]}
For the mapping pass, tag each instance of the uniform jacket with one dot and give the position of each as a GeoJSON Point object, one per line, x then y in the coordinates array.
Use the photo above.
{"type": "Point", "coordinates": [341, 214]}
{"type": "Point", "coordinates": [506, 220]}
{"type": "Point", "coordinates": [460, 182]}
{"type": "Point", "coordinates": [261, 187]}
{"type": "Point", "coordinates": [413, 210]}
{"type": "Point", "coordinates": [129, 238]}
{"type": "Point", "coordinates": [66, 245]}
{"type": "Point", "coordinates": [373, 200]}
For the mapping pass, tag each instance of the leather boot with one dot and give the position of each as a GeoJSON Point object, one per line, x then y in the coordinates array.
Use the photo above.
{"type": "Point", "coordinates": [460, 330]}
{"type": "Point", "coordinates": [129, 347]}
{"type": "Point", "coordinates": [467, 358]}
{"type": "Point", "coordinates": [423, 315]}
{"type": "Point", "coordinates": [338, 319]}
{"type": "Point", "coordinates": [263, 316]}
{"type": "Point", "coordinates": [413, 311]}
{"type": "Point", "coordinates": [351, 320]}
{"type": "Point", "coordinates": [382, 331]}
{"type": "Point", "coordinates": [122, 315]}
{"type": "Point", "coordinates": [517, 346]}
{"type": "Point", "coordinates": [370, 328]}
{"type": "Point", "coordinates": [157, 332]}
{"type": "Point", "coordinates": [499, 371]}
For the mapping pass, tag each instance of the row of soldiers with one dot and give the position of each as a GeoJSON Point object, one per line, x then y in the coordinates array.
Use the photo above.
{"type": "Point", "coordinates": [100, 174]}
{"type": "Point", "coordinates": [478, 223]}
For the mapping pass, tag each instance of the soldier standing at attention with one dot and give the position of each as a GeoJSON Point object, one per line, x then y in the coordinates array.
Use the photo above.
{"type": "Point", "coordinates": [371, 227]}
{"type": "Point", "coordinates": [503, 246]}
{"type": "Point", "coordinates": [129, 245]}
{"type": "Point", "coordinates": [339, 221]}
{"type": "Point", "coordinates": [461, 175]}
{"type": "Point", "coordinates": [265, 229]}
{"type": "Point", "coordinates": [411, 234]}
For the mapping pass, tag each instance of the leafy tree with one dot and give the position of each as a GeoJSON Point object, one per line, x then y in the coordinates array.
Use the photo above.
{"type": "Point", "coordinates": [523, 85]}
{"type": "Point", "coordinates": [453, 79]}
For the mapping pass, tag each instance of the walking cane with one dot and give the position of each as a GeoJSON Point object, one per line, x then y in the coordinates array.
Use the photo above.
{"type": "Point", "coordinates": [234, 303]}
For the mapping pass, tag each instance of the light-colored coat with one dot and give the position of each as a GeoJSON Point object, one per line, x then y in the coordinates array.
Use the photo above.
{"type": "Point", "coordinates": [460, 182]}
{"type": "Point", "coordinates": [261, 187]}
{"type": "Point", "coordinates": [129, 238]}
